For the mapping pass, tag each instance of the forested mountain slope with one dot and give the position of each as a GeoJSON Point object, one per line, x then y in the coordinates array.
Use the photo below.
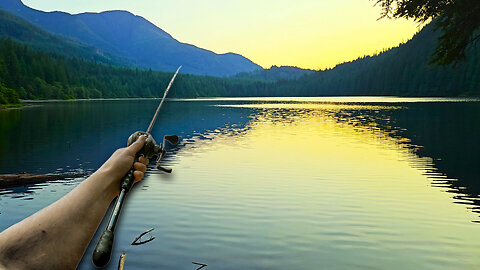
{"type": "Point", "coordinates": [37, 75]}
{"type": "Point", "coordinates": [400, 71]}
{"type": "Point", "coordinates": [125, 35]}
{"type": "Point", "coordinates": [20, 30]}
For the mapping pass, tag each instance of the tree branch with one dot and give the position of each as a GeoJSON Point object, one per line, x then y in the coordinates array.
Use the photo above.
{"type": "Point", "coordinates": [135, 243]}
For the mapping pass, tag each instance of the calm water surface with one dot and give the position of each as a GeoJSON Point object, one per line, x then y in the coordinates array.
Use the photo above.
{"type": "Point", "coordinates": [302, 183]}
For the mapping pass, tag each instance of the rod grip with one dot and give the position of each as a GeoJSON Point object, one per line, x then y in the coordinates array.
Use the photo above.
{"type": "Point", "coordinates": [127, 180]}
{"type": "Point", "coordinates": [103, 249]}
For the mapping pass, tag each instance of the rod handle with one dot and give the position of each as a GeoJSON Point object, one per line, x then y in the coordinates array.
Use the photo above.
{"type": "Point", "coordinates": [127, 180]}
{"type": "Point", "coordinates": [103, 249]}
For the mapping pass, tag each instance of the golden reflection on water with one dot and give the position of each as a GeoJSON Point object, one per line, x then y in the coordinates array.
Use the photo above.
{"type": "Point", "coordinates": [308, 158]}
{"type": "Point", "coordinates": [311, 138]}
{"type": "Point", "coordinates": [287, 184]}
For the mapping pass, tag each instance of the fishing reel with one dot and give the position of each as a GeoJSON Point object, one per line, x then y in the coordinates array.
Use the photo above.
{"type": "Point", "coordinates": [151, 148]}
{"type": "Point", "coordinates": [103, 249]}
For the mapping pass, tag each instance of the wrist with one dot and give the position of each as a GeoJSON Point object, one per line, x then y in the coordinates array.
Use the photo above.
{"type": "Point", "coordinates": [107, 182]}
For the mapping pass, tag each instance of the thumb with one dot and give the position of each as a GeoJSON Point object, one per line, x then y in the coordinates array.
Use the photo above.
{"type": "Point", "coordinates": [137, 145]}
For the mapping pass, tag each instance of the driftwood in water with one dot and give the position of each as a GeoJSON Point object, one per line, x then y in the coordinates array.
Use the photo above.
{"type": "Point", "coordinates": [136, 242]}
{"type": "Point", "coordinates": [15, 180]}
{"type": "Point", "coordinates": [202, 265]}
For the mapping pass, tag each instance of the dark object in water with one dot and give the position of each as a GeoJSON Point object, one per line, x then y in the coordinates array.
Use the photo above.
{"type": "Point", "coordinates": [136, 242]}
{"type": "Point", "coordinates": [22, 179]}
{"type": "Point", "coordinates": [202, 265]}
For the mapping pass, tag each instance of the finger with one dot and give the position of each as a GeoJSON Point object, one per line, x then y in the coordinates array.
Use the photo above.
{"type": "Point", "coordinates": [143, 160]}
{"type": "Point", "coordinates": [137, 145]}
{"type": "Point", "coordinates": [140, 166]}
{"type": "Point", "coordinates": [138, 175]}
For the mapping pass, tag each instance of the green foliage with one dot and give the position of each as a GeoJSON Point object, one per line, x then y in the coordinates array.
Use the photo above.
{"type": "Point", "coordinates": [459, 21]}
{"type": "Point", "coordinates": [8, 96]}
{"type": "Point", "coordinates": [37, 75]}
{"type": "Point", "coordinates": [401, 71]}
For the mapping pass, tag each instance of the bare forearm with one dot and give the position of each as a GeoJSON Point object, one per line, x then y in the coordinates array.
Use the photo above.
{"type": "Point", "coordinates": [56, 237]}
{"type": "Point", "coordinates": [64, 228]}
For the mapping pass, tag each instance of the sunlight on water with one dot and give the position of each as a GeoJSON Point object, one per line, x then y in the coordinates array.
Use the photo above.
{"type": "Point", "coordinates": [360, 99]}
{"type": "Point", "coordinates": [301, 185]}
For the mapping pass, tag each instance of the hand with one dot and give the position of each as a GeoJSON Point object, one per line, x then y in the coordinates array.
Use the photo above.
{"type": "Point", "coordinates": [121, 161]}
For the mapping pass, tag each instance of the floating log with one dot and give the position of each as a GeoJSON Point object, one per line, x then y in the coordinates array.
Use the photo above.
{"type": "Point", "coordinates": [16, 180]}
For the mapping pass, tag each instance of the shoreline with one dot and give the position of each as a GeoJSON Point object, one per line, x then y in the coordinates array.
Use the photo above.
{"type": "Point", "coordinates": [11, 106]}
{"type": "Point", "coordinates": [355, 99]}
{"type": "Point", "coordinates": [22, 179]}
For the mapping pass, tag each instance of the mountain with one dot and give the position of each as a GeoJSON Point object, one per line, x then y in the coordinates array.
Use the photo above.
{"type": "Point", "coordinates": [20, 30]}
{"type": "Point", "coordinates": [400, 71]}
{"type": "Point", "coordinates": [134, 38]}
{"type": "Point", "coordinates": [275, 73]}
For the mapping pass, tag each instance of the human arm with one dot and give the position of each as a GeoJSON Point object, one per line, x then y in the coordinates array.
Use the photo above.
{"type": "Point", "coordinates": [56, 237]}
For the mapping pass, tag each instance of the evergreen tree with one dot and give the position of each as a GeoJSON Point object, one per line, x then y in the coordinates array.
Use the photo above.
{"type": "Point", "coordinates": [458, 20]}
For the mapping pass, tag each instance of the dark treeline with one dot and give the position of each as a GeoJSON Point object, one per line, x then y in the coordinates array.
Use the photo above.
{"type": "Point", "coordinates": [37, 75]}
{"type": "Point", "coordinates": [275, 73]}
{"type": "Point", "coordinates": [401, 71]}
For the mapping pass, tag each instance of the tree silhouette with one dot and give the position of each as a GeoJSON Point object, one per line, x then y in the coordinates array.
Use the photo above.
{"type": "Point", "coordinates": [459, 21]}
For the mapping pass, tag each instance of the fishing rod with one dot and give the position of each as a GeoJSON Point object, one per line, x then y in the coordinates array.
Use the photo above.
{"type": "Point", "coordinates": [103, 249]}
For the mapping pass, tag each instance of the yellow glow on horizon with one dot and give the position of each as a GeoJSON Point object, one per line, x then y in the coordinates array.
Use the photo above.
{"type": "Point", "coordinates": [307, 34]}
{"type": "Point", "coordinates": [304, 33]}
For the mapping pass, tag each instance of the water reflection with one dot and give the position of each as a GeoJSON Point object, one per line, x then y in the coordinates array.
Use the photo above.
{"type": "Point", "coordinates": [448, 135]}
{"type": "Point", "coordinates": [440, 134]}
{"type": "Point", "coordinates": [262, 184]}
{"type": "Point", "coordinates": [60, 137]}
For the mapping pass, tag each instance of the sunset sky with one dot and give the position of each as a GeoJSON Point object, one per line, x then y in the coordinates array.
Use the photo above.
{"type": "Point", "coordinates": [313, 34]}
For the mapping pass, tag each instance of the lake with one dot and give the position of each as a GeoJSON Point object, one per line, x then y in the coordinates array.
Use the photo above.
{"type": "Point", "coordinates": [270, 183]}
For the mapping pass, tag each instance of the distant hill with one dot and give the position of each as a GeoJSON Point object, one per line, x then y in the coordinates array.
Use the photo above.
{"type": "Point", "coordinates": [20, 30]}
{"type": "Point", "coordinates": [134, 38]}
{"type": "Point", "coordinates": [400, 71]}
{"type": "Point", "coordinates": [275, 73]}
